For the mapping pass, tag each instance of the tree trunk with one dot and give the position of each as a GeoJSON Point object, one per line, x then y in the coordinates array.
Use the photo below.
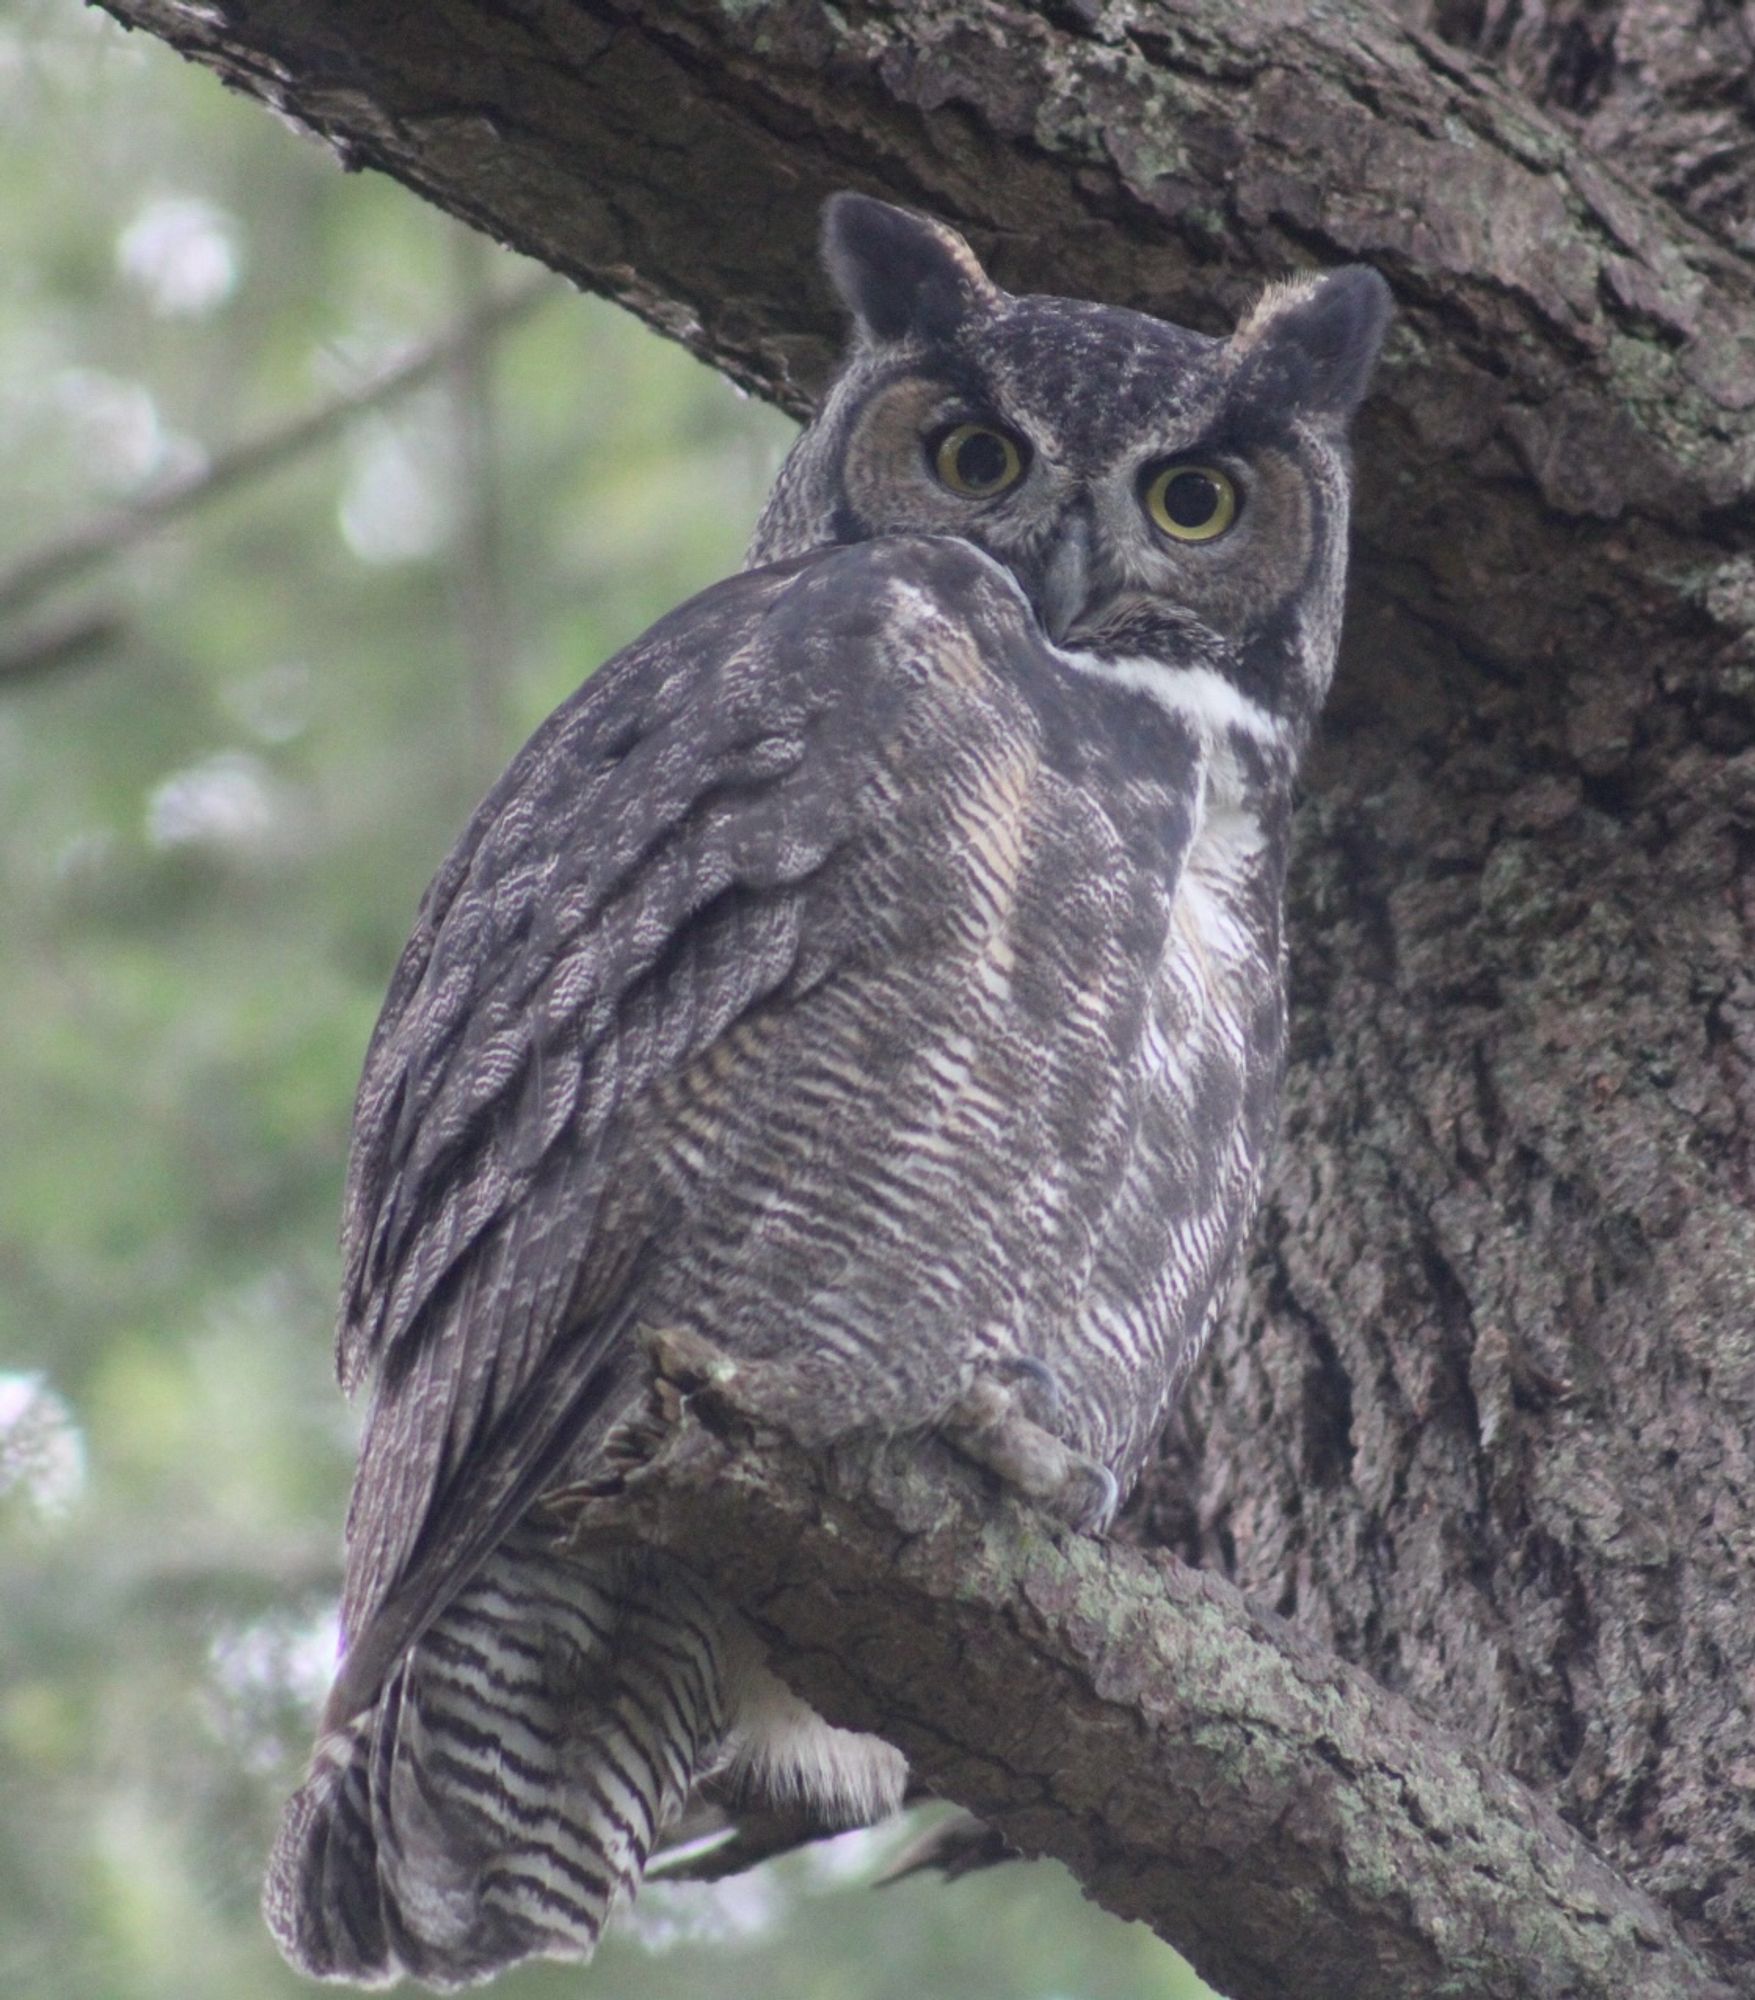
{"type": "Point", "coordinates": [1482, 1420]}
{"type": "Point", "coordinates": [1662, 87]}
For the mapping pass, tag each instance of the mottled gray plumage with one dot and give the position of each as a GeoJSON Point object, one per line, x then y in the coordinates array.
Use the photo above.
{"type": "Point", "coordinates": [876, 969]}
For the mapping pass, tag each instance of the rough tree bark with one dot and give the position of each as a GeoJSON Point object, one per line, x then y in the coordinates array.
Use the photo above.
{"type": "Point", "coordinates": [1482, 1420]}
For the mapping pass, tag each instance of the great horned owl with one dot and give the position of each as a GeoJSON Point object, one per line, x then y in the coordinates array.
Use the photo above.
{"type": "Point", "coordinates": [876, 969]}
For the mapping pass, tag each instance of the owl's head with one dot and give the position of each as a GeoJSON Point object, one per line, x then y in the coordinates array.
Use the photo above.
{"type": "Point", "coordinates": [1156, 493]}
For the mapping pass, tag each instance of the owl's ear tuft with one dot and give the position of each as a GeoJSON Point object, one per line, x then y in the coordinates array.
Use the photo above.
{"type": "Point", "coordinates": [1313, 342]}
{"type": "Point", "coordinates": [899, 273]}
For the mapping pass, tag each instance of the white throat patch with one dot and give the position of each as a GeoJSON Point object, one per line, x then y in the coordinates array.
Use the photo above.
{"type": "Point", "coordinates": [1210, 704]}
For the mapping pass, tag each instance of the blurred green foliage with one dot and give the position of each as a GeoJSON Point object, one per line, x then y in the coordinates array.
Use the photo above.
{"type": "Point", "coordinates": [215, 820]}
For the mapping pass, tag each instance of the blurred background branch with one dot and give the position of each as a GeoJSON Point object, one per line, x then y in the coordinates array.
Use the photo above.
{"type": "Point", "coordinates": [480, 585]}
{"type": "Point", "coordinates": [51, 647]}
{"type": "Point", "coordinates": [460, 350]}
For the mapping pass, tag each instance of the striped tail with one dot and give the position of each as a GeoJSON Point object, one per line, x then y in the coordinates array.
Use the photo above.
{"type": "Point", "coordinates": [501, 1797]}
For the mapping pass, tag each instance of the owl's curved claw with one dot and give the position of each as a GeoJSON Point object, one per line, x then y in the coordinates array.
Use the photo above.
{"type": "Point", "coordinates": [1103, 1502]}
{"type": "Point", "coordinates": [1040, 1376]}
{"type": "Point", "coordinates": [952, 1848]}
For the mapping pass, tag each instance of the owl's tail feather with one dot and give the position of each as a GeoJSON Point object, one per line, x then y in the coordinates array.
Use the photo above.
{"type": "Point", "coordinates": [501, 1797]}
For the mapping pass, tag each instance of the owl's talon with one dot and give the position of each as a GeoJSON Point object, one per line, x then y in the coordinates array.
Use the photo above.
{"type": "Point", "coordinates": [1105, 1499]}
{"type": "Point", "coordinates": [1041, 1377]}
{"type": "Point", "coordinates": [687, 1360]}
{"type": "Point", "coordinates": [987, 1425]}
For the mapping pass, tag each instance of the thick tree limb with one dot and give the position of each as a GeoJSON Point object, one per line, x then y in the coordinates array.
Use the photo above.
{"type": "Point", "coordinates": [1659, 86]}
{"type": "Point", "coordinates": [1563, 334]}
{"type": "Point", "coordinates": [1272, 1812]}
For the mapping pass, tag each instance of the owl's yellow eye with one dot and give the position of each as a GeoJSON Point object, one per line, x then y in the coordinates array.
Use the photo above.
{"type": "Point", "coordinates": [977, 461]}
{"type": "Point", "coordinates": [1191, 503]}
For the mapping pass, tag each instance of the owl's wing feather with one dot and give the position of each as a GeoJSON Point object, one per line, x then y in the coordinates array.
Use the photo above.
{"type": "Point", "coordinates": [578, 870]}
{"type": "Point", "coordinates": [647, 876]}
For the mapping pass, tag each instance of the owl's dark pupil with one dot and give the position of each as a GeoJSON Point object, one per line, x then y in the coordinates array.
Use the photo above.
{"type": "Point", "coordinates": [981, 460]}
{"type": "Point", "coordinates": [1191, 499]}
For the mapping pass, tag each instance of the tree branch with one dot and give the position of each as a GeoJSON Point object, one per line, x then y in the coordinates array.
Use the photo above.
{"type": "Point", "coordinates": [1564, 335]}
{"type": "Point", "coordinates": [111, 533]}
{"type": "Point", "coordinates": [484, 626]}
{"type": "Point", "coordinates": [55, 647]}
{"type": "Point", "coordinates": [1276, 1815]}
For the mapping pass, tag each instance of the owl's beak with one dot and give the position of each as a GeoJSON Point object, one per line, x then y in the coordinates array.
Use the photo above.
{"type": "Point", "coordinates": [1066, 581]}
